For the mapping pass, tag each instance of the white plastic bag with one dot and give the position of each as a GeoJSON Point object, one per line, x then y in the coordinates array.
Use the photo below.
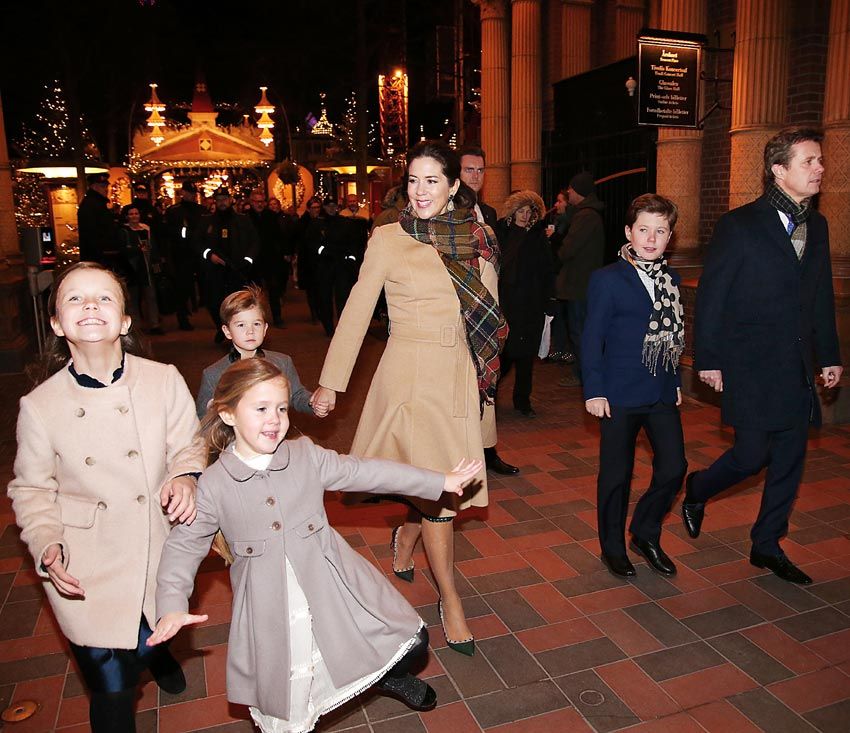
{"type": "Point", "coordinates": [546, 338]}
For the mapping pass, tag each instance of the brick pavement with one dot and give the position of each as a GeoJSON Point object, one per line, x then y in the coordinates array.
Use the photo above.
{"type": "Point", "coordinates": [562, 645]}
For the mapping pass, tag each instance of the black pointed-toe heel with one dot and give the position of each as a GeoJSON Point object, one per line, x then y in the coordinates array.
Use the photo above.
{"type": "Point", "coordinates": [406, 574]}
{"type": "Point", "coordinates": [466, 647]}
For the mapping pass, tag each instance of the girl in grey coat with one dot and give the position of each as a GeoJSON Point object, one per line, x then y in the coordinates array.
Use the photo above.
{"type": "Point", "coordinates": [314, 624]}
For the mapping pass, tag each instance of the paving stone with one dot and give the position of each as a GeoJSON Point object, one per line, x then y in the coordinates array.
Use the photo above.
{"type": "Point", "coordinates": [750, 658]}
{"type": "Point", "coordinates": [768, 713]}
{"type": "Point", "coordinates": [597, 702]}
{"type": "Point", "coordinates": [798, 598]}
{"type": "Point", "coordinates": [511, 660]}
{"type": "Point", "coordinates": [709, 557]}
{"type": "Point", "coordinates": [588, 583]}
{"type": "Point", "coordinates": [516, 613]}
{"type": "Point", "coordinates": [472, 675]}
{"type": "Point", "coordinates": [832, 718]}
{"type": "Point", "coordinates": [813, 624]}
{"type": "Point", "coordinates": [722, 621]}
{"type": "Point", "coordinates": [669, 663]}
{"type": "Point", "coordinates": [584, 655]}
{"type": "Point", "coordinates": [834, 591]}
{"type": "Point", "coordinates": [517, 703]}
{"type": "Point", "coordinates": [663, 626]}
{"type": "Point", "coordinates": [505, 580]}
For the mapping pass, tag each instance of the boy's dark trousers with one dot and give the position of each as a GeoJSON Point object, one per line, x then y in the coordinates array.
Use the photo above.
{"type": "Point", "coordinates": [618, 435]}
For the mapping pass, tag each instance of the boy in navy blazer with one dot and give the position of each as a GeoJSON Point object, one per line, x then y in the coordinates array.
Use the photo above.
{"type": "Point", "coordinates": [632, 341]}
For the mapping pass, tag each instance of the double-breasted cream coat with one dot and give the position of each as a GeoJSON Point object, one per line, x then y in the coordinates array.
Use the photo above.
{"type": "Point", "coordinates": [422, 406]}
{"type": "Point", "coordinates": [88, 471]}
{"type": "Point", "coordinates": [359, 620]}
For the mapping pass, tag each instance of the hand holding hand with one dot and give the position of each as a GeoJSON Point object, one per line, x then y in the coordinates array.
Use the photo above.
{"type": "Point", "coordinates": [170, 624]}
{"type": "Point", "coordinates": [678, 396]}
{"type": "Point", "coordinates": [831, 376]}
{"type": "Point", "coordinates": [178, 499]}
{"type": "Point", "coordinates": [713, 378]}
{"type": "Point", "coordinates": [598, 407]}
{"type": "Point", "coordinates": [458, 478]}
{"type": "Point", "coordinates": [64, 582]}
{"type": "Point", "coordinates": [323, 401]}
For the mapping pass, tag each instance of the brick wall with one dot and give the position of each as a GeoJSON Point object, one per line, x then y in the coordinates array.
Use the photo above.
{"type": "Point", "coordinates": [716, 146]}
{"type": "Point", "coordinates": [810, 29]}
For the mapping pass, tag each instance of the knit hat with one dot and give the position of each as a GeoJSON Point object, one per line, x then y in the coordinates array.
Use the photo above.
{"type": "Point", "coordinates": [583, 184]}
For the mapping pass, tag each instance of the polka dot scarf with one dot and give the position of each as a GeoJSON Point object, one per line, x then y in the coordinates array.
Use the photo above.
{"type": "Point", "coordinates": [665, 335]}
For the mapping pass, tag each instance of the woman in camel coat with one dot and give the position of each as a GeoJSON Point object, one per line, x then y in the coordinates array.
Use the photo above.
{"type": "Point", "coordinates": [425, 404]}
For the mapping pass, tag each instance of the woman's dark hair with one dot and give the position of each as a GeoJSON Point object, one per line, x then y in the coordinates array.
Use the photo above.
{"type": "Point", "coordinates": [56, 352]}
{"type": "Point", "coordinates": [652, 203]}
{"type": "Point", "coordinates": [449, 162]}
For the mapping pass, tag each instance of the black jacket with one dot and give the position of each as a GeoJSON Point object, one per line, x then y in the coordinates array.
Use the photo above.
{"type": "Point", "coordinates": [582, 251]}
{"type": "Point", "coordinates": [231, 236]}
{"type": "Point", "coordinates": [489, 214]}
{"type": "Point", "coordinates": [765, 319]}
{"type": "Point", "coordinates": [526, 285]}
{"type": "Point", "coordinates": [98, 230]}
{"type": "Point", "coordinates": [181, 226]}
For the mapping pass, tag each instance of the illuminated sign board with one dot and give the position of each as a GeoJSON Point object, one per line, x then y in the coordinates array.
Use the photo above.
{"type": "Point", "coordinates": [669, 68]}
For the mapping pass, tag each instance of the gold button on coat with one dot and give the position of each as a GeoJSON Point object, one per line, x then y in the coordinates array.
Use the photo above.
{"type": "Point", "coordinates": [141, 498]}
{"type": "Point", "coordinates": [270, 501]}
{"type": "Point", "coordinates": [310, 527]}
{"type": "Point", "coordinates": [275, 526]}
{"type": "Point", "coordinates": [249, 550]}
{"type": "Point", "coordinates": [133, 454]}
{"type": "Point", "coordinates": [80, 412]}
{"type": "Point", "coordinates": [123, 409]}
{"type": "Point", "coordinates": [89, 461]}
{"type": "Point", "coordinates": [101, 505]}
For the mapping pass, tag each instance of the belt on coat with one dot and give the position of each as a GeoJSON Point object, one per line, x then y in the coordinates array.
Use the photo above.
{"type": "Point", "coordinates": [447, 337]}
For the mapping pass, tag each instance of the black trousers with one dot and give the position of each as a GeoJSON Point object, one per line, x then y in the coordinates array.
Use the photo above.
{"type": "Point", "coordinates": [784, 453]}
{"type": "Point", "coordinates": [335, 278]}
{"type": "Point", "coordinates": [523, 367]}
{"type": "Point", "coordinates": [221, 281]}
{"type": "Point", "coordinates": [618, 435]}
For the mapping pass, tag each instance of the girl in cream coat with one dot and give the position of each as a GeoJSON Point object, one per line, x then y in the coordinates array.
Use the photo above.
{"type": "Point", "coordinates": [103, 446]}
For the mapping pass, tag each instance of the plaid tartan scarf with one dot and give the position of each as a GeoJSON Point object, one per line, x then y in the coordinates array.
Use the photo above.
{"type": "Point", "coordinates": [460, 241]}
{"type": "Point", "coordinates": [797, 213]}
{"type": "Point", "coordinates": [665, 334]}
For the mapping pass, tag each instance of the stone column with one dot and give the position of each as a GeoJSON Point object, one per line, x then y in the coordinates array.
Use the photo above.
{"type": "Point", "coordinates": [13, 288]}
{"type": "Point", "coordinates": [552, 54]}
{"type": "Point", "coordinates": [759, 91]}
{"type": "Point", "coordinates": [575, 37]}
{"type": "Point", "coordinates": [679, 159]}
{"type": "Point", "coordinates": [526, 113]}
{"type": "Point", "coordinates": [835, 191]}
{"type": "Point", "coordinates": [631, 17]}
{"type": "Point", "coordinates": [495, 99]}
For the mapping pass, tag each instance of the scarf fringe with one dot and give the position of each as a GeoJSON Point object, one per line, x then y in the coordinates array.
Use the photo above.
{"type": "Point", "coordinates": [664, 346]}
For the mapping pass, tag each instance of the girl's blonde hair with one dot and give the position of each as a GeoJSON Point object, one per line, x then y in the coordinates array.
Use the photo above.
{"type": "Point", "coordinates": [56, 352]}
{"type": "Point", "coordinates": [234, 383]}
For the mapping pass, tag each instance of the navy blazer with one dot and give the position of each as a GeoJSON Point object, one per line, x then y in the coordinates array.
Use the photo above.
{"type": "Point", "coordinates": [764, 318]}
{"type": "Point", "coordinates": [618, 311]}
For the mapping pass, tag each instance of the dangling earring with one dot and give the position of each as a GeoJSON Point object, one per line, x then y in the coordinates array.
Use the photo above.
{"type": "Point", "coordinates": [451, 205]}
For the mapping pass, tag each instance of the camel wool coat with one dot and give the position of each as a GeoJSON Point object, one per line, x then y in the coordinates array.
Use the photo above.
{"type": "Point", "coordinates": [88, 471]}
{"type": "Point", "coordinates": [422, 406]}
{"type": "Point", "coordinates": [359, 620]}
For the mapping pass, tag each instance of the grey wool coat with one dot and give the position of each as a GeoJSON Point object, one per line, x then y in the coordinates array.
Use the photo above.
{"type": "Point", "coordinates": [359, 619]}
{"type": "Point", "coordinates": [299, 395]}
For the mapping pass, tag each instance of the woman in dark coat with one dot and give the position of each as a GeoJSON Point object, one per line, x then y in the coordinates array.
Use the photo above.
{"type": "Point", "coordinates": [526, 287]}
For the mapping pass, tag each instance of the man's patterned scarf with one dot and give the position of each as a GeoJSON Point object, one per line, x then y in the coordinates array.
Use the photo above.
{"type": "Point", "coordinates": [460, 241]}
{"type": "Point", "coordinates": [797, 213]}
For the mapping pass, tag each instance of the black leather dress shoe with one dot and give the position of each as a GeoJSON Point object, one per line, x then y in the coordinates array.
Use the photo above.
{"type": "Point", "coordinates": [497, 465]}
{"type": "Point", "coordinates": [167, 673]}
{"type": "Point", "coordinates": [619, 566]}
{"type": "Point", "coordinates": [656, 557]}
{"type": "Point", "coordinates": [781, 567]}
{"type": "Point", "coordinates": [692, 512]}
{"type": "Point", "coordinates": [526, 411]}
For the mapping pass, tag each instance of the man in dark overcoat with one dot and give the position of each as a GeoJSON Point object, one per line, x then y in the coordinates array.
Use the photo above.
{"type": "Point", "coordinates": [98, 230]}
{"type": "Point", "coordinates": [229, 246]}
{"type": "Point", "coordinates": [765, 321]}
